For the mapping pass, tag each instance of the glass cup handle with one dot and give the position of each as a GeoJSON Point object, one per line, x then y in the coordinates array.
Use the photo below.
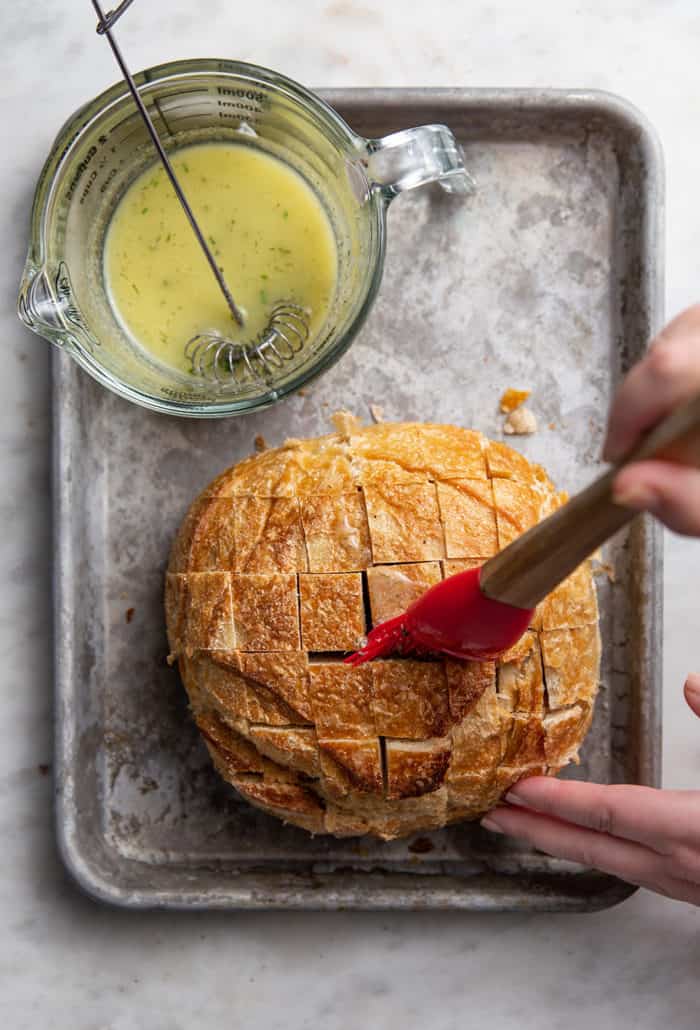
{"type": "Point", "coordinates": [414, 157]}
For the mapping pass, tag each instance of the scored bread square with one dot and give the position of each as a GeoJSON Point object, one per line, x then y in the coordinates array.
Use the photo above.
{"type": "Point", "coordinates": [200, 612]}
{"type": "Point", "coordinates": [290, 471]}
{"type": "Point", "coordinates": [262, 475]}
{"type": "Point", "coordinates": [520, 682]}
{"type": "Point", "coordinates": [206, 541]}
{"type": "Point", "coordinates": [466, 682]}
{"type": "Point", "coordinates": [573, 603]}
{"type": "Point", "coordinates": [387, 819]}
{"type": "Point", "coordinates": [332, 611]}
{"type": "Point", "coordinates": [410, 699]}
{"type": "Point", "coordinates": [392, 444]}
{"type": "Point", "coordinates": [416, 767]}
{"type": "Point", "coordinates": [503, 462]}
{"type": "Point", "coordinates": [392, 588]}
{"type": "Point", "coordinates": [404, 522]}
{"type": "Point", "coordinates": [571, 660]}
{"type": "Point", "coordinates": [490, 710]}
{"type": "Point", "coordinates": [266, 611]}
{"type": "Point", "coordinates": [479, 740]}
{"type": "Point", "coordinates": [341, 700]}
{"type": "Point", "coordinates": [238, 754]}
{"type": "Point", "coordinates": [336, 533]}
{"type": "Point", "coordinates": [225, 766]}
{"type": "Point", "coordinates": [468, 514]}
{"type": "Point", "coordinates": [268, 535]}
{"type": "Point", "coordinates": [506, 776]}
{"type": "Point", "coordinates": [520, 649]}
{"type": "Point", "coordinates": [518, 508]}
{"type": "Point", "coordinates": [209, 612]}
{"type": "Point", "coordinates": [477, 748]}
{"type": "Point", "coordinates": [525, 742]}
{"type": "Point", "coordinates": [360, 761]}
{"type": "Point", "coordinates": [385, 475]}
{"type": "Point", "coordinates": [294, 746]}
{"type": "Point", "coordinates": [214, 678]}
{"type": "Point", "coordinates": [288, 801]}
{"type": "Point", "coordinates": [267, 708]}
{"type": "Point", "coordinates": [325, 470]}
{"type": "Point", "coordinates": [408, 815]}
{"type": "Point", "coordinates": [563, 732]}
{"type": "Point", "coordinates": [285, 673]}
{"type": "Point", "coordinates": [453, 452]}
{"type": "Point", "coordinates": [273, 772]}
{"type": "Point", "coordinates": [471, 794]}
{"type": "Point", "coordinates": [334, 784]}
{"type": "Point", "coordinates": [428, 451]}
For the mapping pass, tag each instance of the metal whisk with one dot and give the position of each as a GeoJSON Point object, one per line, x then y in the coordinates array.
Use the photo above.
{"type": "Point", "coordinates": [213, 356]}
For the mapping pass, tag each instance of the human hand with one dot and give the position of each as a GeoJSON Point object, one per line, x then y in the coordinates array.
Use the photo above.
{"type": "Point", "coordinates": [667, 376]}
{"type": "Point", "coordinates": [645, 836]}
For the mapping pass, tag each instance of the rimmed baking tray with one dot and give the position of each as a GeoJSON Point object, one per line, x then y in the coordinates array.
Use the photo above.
{"type": "Point", "coordinates": [549, 277]}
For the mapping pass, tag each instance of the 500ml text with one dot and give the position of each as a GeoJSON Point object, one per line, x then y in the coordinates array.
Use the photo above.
{"type": "Point", "coordinates": [243, 94]}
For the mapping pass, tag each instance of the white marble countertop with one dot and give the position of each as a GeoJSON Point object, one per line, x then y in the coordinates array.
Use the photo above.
{"type": "Point", "coordinates": [67, 963]}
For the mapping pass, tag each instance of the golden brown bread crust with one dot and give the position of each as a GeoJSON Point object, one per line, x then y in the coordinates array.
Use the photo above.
{"type": "Point", "coordinates": [332, 611]}
{"type": "Point", "coordinates": [468, 515]}
{"type": "Point", "coordinates": [284, 562]}
{"type": "Point", "coordinates": [392, 588]}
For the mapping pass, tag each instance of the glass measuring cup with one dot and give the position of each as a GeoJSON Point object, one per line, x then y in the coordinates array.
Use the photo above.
{"type": "Point", "coordinates": [105, 145]}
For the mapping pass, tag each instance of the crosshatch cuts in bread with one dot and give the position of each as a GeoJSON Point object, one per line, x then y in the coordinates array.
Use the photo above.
{"type": "Point", "coordinates": [286, 560]}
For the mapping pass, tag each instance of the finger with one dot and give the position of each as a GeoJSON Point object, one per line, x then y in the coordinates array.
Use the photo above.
{"type": "Point", "coordinates": [670, 492]}
{"type": "Point", "coordinates": [642, 814]}
{"type": "Point", "coordinates": [669, 374]}
{"type": "Point", "coordinates": [681, 890]}
{"type": "Point", "coordinates": [623, 858]}
{"type": "Point", "coordinates": [692, 692]}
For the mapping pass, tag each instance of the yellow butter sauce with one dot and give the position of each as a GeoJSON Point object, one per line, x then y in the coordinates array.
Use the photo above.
{"type": "Point", "coordinates": [267, 229]}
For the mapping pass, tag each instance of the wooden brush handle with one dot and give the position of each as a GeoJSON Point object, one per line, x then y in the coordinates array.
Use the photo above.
{"type": "Point", "coordinates": [529, 568]}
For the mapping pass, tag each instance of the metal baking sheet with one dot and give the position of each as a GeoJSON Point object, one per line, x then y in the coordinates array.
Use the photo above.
{"type": "Point", "coordinates": [549, 277]}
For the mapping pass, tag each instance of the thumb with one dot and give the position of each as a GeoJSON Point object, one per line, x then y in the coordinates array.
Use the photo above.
{"type": "Point", "coordinates": [692, 692]}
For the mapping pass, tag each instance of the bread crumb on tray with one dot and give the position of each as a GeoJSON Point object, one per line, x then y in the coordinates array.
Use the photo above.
{"type": "Point", "coordinates": [512, 399]}
{"type": "Point", "coordinates": [260, 443]}
{"type": "Point", "coordinates": [521, 422]}
{"type": "Point", "coordinates": [376, 412]}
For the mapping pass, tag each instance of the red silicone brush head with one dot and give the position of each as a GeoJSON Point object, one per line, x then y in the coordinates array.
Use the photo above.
{"type": "Point", "coordinates": [455, 618]}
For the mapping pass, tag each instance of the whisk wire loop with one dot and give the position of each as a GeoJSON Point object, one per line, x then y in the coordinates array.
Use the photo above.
{"type": "Point", "coordinates": [229, 363]}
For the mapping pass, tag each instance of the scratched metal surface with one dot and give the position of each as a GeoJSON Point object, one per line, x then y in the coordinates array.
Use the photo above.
{"type": "Point", "coordinates": [548, 278]}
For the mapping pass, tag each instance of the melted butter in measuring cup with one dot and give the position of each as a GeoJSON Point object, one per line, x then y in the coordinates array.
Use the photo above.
{"type": "Point", "coordinates": [266, 227]}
